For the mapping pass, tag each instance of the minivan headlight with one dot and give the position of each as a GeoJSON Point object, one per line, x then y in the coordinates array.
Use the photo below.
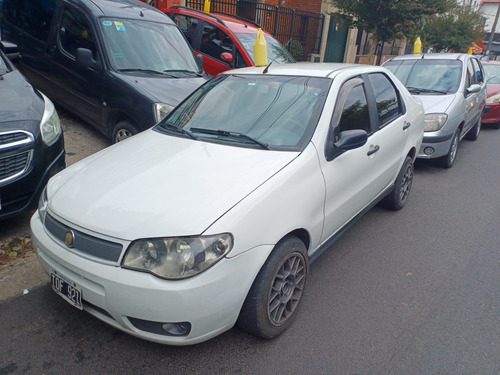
{"type": "Point", "coordinates": [160, 110]}
{"type": "Point", "coordinates": [434, 121]}
{"type": "Point", "coordinates": [42, 205]}
{"type": "Point", "coordinates": [177, 257]}
{"type": "Point", "coordinates": [50, 126]}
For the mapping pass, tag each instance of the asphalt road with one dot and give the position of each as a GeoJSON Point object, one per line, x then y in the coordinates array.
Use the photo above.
{"type": "Point", "coordinates": [410, 292]}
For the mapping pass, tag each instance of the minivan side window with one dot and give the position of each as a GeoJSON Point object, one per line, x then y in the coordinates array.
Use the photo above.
{"type": "Point", "coordinates": [478, 70]}
{"type": "Point", "coordinates": [386, 98]}
{"type": "Point", "coordinates": [471, 74]}
{"type": "Point", "coordinates": [75, 32]}
{"type": "Point", "coordinates": [32, 16]}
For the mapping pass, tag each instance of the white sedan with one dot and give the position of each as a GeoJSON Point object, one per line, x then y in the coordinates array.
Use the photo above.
{"type": "Point", "coordinates": [212, 217]}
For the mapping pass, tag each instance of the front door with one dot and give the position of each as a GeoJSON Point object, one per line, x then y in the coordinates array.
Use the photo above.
{"type": "Point", "coordinates": [79, 87]}
{"type": "Point", "coordinates": [336, 41]}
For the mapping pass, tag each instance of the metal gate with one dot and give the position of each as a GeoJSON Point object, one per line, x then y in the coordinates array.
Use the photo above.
{"type": "Point", "coordinates": [298, 30]}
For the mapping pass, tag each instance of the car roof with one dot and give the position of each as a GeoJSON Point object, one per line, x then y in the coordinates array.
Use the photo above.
{"type": "Point", "coordinates": [432, 56]}
{"type": "Point", "coordinates": [307, 69]}
{"type": "Point", "coordinates": [492, 62]}
{"type": "Point", "coordinates": [131, 9]}
{"type": "Point", "coordinates": [235, 24]}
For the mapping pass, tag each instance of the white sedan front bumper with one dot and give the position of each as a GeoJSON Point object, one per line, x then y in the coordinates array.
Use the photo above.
{"type": "Point", "coordinates": [210, 302]}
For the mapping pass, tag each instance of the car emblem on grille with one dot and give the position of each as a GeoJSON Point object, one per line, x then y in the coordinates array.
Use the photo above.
{"type": "Point", "coordinates": [69, 239]}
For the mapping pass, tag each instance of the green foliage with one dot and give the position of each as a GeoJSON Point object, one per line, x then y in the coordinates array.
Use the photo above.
{"type": "Point", "coordinates": [388, 20]}
{"type": "Point", "coordinates": [454, 30]}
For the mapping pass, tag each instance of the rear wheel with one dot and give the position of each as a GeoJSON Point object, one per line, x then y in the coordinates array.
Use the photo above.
{"type": "Point", "coordinates": [399, 196]}
{"type": "Point", "coordinates": [448, 160]}
{"type": "Point", "coordinates": [273, 300]}
{"type": "Point", "coordinates": [123, 130]}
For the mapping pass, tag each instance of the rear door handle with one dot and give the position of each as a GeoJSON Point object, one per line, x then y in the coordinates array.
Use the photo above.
{"type": "Point", "coordinates": [406, 125]}
{"type": "Point", "coordinates": [373, 149]}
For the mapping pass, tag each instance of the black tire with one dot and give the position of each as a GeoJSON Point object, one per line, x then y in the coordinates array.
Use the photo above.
{"type": "Point", "coordinates": [448, 160]}
{"type": "Point", "coordinates": [399, 196]}
{"type": "Point", "coordinates": [272, 302]}
{"type": "Point", "coordinates": [123, 130]}
{"type": "Point", "coordinates": [473, 133]}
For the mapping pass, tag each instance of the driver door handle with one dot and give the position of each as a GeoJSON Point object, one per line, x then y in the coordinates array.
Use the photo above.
{"type": "Point", "coordinates": [373, 149]}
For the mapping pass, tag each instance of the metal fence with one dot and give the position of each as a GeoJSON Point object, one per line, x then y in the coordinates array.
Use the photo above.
{"type": "Point", "coordinates": [298, 30]}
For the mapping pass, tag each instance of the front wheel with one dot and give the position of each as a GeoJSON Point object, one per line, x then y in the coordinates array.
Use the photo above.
{"type": "Point", "coordinates": [473, 133]}
{"type": "Point", "coordinates": [448, 160]}
{"type": "Point", "coordinates": [123, 130]}
{"type": "Point", "coordinates": [272, 302]}
{"type": "Point", "coordinates": [399, 196]}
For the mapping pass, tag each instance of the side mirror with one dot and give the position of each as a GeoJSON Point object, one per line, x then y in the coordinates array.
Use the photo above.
{"type": "Point", "coordinates": [347, 140]}
{"type": "Point", "coordinates": [85, 58]}
{"type": "Point", "coordinates": [472, 89]}
{"type": "Point", "coordinates": [227, 57]}
{"type": "Point", "coordinates": [199, 58]}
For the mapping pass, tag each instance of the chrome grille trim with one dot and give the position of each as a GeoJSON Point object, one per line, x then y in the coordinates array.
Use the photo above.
{"type": "Point", "coordinates": [84, 243]}
{"type": "Point", "coordinates": [13, 139]}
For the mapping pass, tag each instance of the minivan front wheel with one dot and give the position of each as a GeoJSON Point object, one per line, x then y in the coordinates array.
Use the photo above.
{"type": "Point", "coordinates": [448, 160]}
{"type": "Point", "coordinates": [123, 130]}
{"type": "Point", "coordinates": [272, 302]}
{"type": "Point", "coordinates": [473, 133]}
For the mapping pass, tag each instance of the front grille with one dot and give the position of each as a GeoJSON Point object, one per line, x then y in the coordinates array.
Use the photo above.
{"type": "Point", "coordinates": [12, 164]}
{"type": "Point", "coordinates": [8, 138]}
{"type": "Point", "coordinates": [84, 243]}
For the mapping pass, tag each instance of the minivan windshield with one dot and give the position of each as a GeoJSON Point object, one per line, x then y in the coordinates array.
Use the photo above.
{"type": "Point", "coordinates": [427, 76]}
{"type": "Point", "coordinates": [276, 53]}
{"type": "Point", "coordinates": [148, 47]}
{"type": "Point", "coordinates": [262, 111]}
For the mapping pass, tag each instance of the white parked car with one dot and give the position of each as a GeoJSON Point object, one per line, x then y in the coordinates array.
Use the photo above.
{"type": "Point", "coordinates": [212, 217]}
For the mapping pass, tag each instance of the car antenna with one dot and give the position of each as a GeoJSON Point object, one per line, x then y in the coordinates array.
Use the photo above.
{"type": "Point", "coordinates": [267, 67]}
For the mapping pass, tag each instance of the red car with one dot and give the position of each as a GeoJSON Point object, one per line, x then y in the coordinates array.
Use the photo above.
{"type": "Point", "coordinates": [226, 42]}
{"type": "Point", "coordinates": [491, 114]}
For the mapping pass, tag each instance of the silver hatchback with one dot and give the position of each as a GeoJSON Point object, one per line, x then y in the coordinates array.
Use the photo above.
{"type": "Point", "coordinates": [453, 90]}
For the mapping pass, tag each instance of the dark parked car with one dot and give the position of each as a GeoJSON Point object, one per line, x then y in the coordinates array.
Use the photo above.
{"type": "Point", "coordinates": [31, 140]}
{"type": "Point", "coordinates": [119, 65]}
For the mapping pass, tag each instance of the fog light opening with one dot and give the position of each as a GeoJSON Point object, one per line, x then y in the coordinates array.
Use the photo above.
{"type": "Point", "coordinates": [428, 151]}
{"type": "Point", "coordinates": [177, 329]}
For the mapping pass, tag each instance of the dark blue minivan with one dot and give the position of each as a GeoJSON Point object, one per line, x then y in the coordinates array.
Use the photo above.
{"type": "Point", "coordinates": [119, 65]}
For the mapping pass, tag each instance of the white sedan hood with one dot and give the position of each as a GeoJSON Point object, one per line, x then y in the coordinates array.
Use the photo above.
{"type": "Point", "coordinates": [156, 185]}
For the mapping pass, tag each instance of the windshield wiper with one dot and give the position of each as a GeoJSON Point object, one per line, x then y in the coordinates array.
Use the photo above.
{"type": "Point", "coordinates": [183, 71]}
{"type": "Point", "coordinates": [226, 133]}
{"type": "Point", "coordinates": [149, 71]}
{"type": "Point", "coordinates": [178, 130]}
{"type": "Point", "coordinates": [417, 91]}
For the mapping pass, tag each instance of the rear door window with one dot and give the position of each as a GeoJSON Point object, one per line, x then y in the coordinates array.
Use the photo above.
{"type": "Point", "coordinates": [386, 97]}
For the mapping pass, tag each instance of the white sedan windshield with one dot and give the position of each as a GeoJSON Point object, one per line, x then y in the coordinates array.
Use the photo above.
{"type": "Point", "coordinates": [134, 45]}
{"type": "Point", "coordinates": [268, 111]}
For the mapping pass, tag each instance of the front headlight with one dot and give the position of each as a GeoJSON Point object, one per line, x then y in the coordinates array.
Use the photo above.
{"type": "Point", "coordinates": [50, 126]}
{"type": "Point", "coordinates": [493, 99]}
{"type": "Point", "coordinates": [42, 205]}
{"type": "Point", "coordinates": [434, 121]}
{"type": "Point", "coordinates": [160, 110]}
{"type": "Point", "coordinates": [177, 258]}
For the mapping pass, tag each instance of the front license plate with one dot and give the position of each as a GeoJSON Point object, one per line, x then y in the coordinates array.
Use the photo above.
{"type": "Point", "coordinates": [67, 289]}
